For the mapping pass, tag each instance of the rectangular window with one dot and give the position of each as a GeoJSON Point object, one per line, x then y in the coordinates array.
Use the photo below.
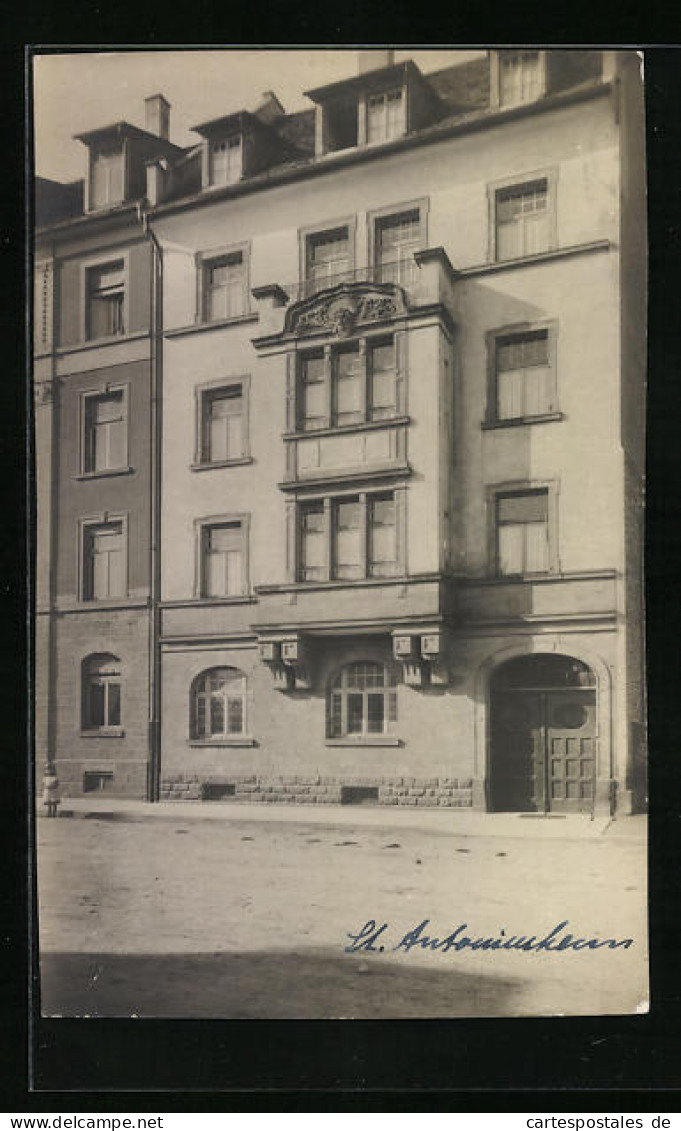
{"type": "Point", "coordinates": [224, 284]}
{"type": "Point", "coordinates": [313, 399]}
{"type": "Point", "coordinates": [524, 380]}
{"type": "Point", "coordinates": [106, 300]}
{"type": "Point", "coordinates": [396, 239]}
{"type": "Point", "coordinates": [106, 432]}
{"type": "Point", "coordinates": [106, 180]}
{"type": "Point", "coordinates": [223, 425]}
{"type": "Point", "coordinates": [348, 406]}
{"type": "Point", "coordinates": [225, 161]}
{"type": "Point", "coordinates": [347, 539]}
{"type": "Point", "coordinates": [313, 557]}
{"type": "Point", "coordinates": [328, 259]}
{"type": "Point", "coordinates": [382, 371]}
{"type": "Point", "coordinates": [223, 565]}
{"type": "Point", "coordinates": [522, 532]}
{"type": "Point", "coordinates": [385, 116]}
{"type": "Point", "coordinates": [520, 77]}
{"type": "Point", "coordinates": [104, 573]}
{"type": "Point", "coordinates": [348, 385]}
{"type": "Point", "coordinates": [523, 220]}
{"type": "Point", "coordinates": [382, 550]}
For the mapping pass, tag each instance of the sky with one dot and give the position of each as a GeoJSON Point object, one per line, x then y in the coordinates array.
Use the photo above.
{"type": "Point", "coordinates": [76, 92]}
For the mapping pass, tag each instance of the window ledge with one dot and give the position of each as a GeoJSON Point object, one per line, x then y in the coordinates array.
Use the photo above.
{"type": "Point", "coordinates": [240, 599]}
{"type": "Point", "coordinates": [238, 740]}
{"type": "Point", "coordinates": [365, 740]}
{"type": "Point", "coordinates": [103, 732]}
{"type": "Point", "coordinates": [540, 257]}
{"type": "Point", "coordinates": [97, 343]}
{"type": "Point", "coordinates": [105, 474]}
{"type": "Point", "coordinates": [520, 421]}
{"type": "Point", "coordinates": [343, 429]}
{"type": "Point", "coordinates": [347, 475]}
{"type": "Point", "coordinates": [219, 324]}
{"type": "Point", "coordinates": [218, 463]}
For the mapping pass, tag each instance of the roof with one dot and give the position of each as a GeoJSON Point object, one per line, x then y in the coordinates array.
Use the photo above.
{"type": "Point", "coordinates": [119, 130]}
{"type": "Point", "coordinates": [346, 86]}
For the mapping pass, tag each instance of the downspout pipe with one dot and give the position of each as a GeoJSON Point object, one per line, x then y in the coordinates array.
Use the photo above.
{"type": "Point", "coordinates": [155, 427]}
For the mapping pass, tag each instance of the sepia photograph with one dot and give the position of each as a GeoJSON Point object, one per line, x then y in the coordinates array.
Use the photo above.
{"type": "Point", "coordinates": [339, 394]}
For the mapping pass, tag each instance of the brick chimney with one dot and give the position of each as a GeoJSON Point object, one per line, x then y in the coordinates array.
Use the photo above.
{"type": "Point", "coordinates": [374, 60]}
{"type": "Point", "coordinates": [157, 116]}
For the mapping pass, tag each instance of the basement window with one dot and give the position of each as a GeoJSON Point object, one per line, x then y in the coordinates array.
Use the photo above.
{"type": "Point", "coordinates": [359, 795]}
{"type": "Point", "coordinates": [217, 791]}
{"type": "Point", "coordinates": [98, 781]}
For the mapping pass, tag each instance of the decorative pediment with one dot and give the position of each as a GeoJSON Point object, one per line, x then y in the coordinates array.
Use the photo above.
{"type": "Point", "coordinates": [344, 308]}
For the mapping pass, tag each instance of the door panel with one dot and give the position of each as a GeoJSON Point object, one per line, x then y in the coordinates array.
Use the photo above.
{"type": "Point", "coordinates": [518, 778]}
{"type": "Point", "coordinates": [571, 746]}
{"type": "Point", "coordinates": [543, 749]}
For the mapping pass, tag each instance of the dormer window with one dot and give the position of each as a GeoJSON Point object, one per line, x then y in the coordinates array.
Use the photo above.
{"type": "Point", "coordinates": [386, 118]}
{"type": "Point", "coordinates": [226, 161]}
{"type": "Point", "coordinates": [106, 177]}
{"type": "Point", "coordinates": [521, 77]}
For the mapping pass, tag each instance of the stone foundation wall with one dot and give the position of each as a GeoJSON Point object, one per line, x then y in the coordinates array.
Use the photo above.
{"type": "Point", "coordinates": [316, 790]}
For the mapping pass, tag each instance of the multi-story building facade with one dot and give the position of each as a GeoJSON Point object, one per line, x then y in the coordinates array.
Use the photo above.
{"type": "Point", "coordinates": [383, 523]}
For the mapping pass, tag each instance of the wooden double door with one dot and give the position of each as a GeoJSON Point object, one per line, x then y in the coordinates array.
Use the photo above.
{"type": "Point", "coordinates": [543, 747]}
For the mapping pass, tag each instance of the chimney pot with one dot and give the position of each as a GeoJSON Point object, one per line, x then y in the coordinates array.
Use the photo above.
{"type": "Point", "coordinates": [157, 116]}
{"type": "Point", "coordinates": [374, 60]}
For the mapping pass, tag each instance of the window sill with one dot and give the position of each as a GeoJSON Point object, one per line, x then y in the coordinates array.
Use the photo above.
{"type": "Point", "coordinates": [214, 465]}
{"type": "Point", "coordinates": [107, 473]}
{"type": "Point", "coordinates": [219, 324]}
{"type": "Point", "coordinates": [97, 343]}
{"type": "Point", "coordinates": [238, 740]}
{"type": "Point", "coordinates": [540, 257]}
{"type": "Point", "coordinates": [520, 421]}
{"type": "Point", "coordinates": [343, 429]}
{"type": "Point", "coordinates": [103, 732]}
{"type": "Point", "coordinates": [365, 740]}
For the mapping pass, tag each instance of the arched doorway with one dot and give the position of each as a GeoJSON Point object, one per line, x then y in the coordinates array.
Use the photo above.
{"type": "Point", "coordinates": [543, 732]}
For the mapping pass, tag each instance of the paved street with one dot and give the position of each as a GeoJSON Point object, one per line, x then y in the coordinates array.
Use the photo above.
{"type": "Point", "coordinates": [247, 916]}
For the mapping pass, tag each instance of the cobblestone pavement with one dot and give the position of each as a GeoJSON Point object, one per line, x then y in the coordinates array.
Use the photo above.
{"type": "Point", "coordinates": [245, 918]}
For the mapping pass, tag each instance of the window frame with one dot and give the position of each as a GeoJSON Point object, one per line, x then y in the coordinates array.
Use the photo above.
{"type": "Point", "coordinates": [97, 262]}
{"type": "Point", "coordinates": [365, 344]}
{"type": "Point", "coordinates": [329, 501]}
{"type": "Point", "coordinates": [85, 525]}
{"type": "Point", "coordinates": [551, 487]}
{"type": "Point", "coordinates": [337, 685]}
{"type": "Point", "coordinates": [236, 738]}
{"type": "Point", "coordinates": [86, 726]}
{"type": "Point", "coordinates": [384, 93]}
{"type": "Point", "coordinates": [378, 216]}
{"type": "Point", "coordinates": [215, 257]}
{"type": "Point", "coordinates": [520, 180]}
{"type": "Point", "coordinates": [203, 394]}
{"type": "Point", "coordinates": [201, 528]}
{"type": "Point", "coordinates": [91, 206]}
{"type": "Point", "coordinates": [495, 80]}
{"type": "Point", "coordinates": [520, 330]}
{"type": "Point", "coordinates": [86, 397]}
{"type": "Point", "coordinates": [223, 139]}
{"type": "Point", "coordinates": [308, 233]}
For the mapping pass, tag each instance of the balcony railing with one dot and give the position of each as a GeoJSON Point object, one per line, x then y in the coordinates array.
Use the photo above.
{"type": "Point", "coordinates": [403, 272]}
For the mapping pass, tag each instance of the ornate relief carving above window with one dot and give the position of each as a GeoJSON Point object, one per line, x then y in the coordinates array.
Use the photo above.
{"type": "Point", "coordinates": [345, 308]}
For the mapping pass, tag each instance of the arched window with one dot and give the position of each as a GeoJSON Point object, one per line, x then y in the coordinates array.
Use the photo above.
{"type": "Point", "coordinates": [362, 700]}
{"type": "Point", "coordinates": [101, 697]}
{"type": "Point", "coordinates": [219, 704]}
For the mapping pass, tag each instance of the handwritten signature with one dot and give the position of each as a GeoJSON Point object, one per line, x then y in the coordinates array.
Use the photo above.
{"type": "Point", "coordinates": [557, 940]}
